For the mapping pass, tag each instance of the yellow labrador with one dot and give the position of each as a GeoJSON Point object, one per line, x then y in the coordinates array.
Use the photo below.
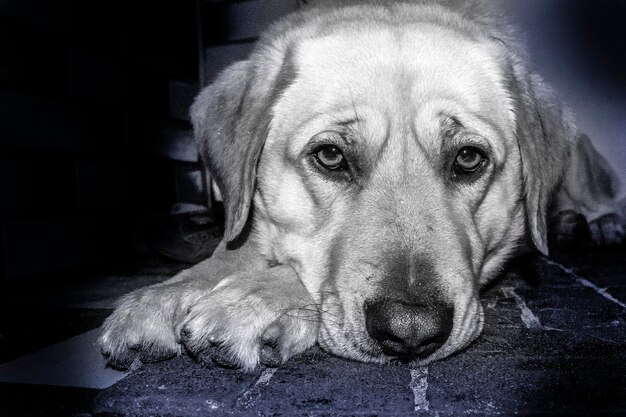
{"type": "Point", "coordinates": [379, 163]}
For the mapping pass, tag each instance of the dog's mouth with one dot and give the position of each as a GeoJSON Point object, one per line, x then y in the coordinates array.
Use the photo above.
{"type": "Point", "coordinates": [408, 331]}
{"type": "Point", "coordinates": [399, 333]}
{"type": "Point", "coordinates": [398, 352]}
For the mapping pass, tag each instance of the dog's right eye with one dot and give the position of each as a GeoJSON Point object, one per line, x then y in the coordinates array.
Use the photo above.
{"type": "Point", "coordinates": [469, 160]}
{"type": "Point", "coordinates": [330, 157]}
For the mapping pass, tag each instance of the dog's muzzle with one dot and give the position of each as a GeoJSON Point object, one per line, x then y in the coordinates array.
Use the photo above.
{"type": "Point", "coordinates": [408, 331]}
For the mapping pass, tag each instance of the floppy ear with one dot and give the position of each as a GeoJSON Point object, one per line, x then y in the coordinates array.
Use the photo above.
{"type": "Point", "coordinates": [231, 118]}
{"type": "Point", "coordinates": [545, 134]}
{"type": "Point", "coordinates": [230, 131]}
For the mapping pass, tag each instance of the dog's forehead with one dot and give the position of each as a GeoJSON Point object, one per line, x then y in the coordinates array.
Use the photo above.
{"type": "Point", "coordinates": [407, 74]}
{"type": "Point", "coordinates": [409, 62]}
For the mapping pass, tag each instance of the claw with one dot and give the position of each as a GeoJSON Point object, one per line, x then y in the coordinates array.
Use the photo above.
{"type": "Point", "coordinates": [156, 355]}
{"type": "Point", "coordinates": [222, 358]}
{"type": "Point", "coordinates": [186, 334]}
{"type": "Point", "coordinates": [122, 363]}
{"type": "Point", "coordinates": [270, 356]}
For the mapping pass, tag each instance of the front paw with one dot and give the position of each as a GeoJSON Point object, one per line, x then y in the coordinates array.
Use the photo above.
{"type": "Point", "coordinates": [140, 330]}
{"type": "Point", "coordinates": [244, 323]}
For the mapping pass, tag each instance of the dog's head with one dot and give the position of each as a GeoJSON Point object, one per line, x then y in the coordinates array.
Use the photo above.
{"type": "Point", "coordinates": [394, 157]}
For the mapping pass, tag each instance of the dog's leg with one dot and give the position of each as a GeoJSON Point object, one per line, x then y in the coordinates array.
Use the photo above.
{"type": "Point", "coordinates": [586, 211]}
{"type": "Point", "coordinates": [146, 325]}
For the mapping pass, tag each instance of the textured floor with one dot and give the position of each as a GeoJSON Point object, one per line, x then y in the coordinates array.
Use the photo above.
{"type": "Point", "coordinates": [554, 344]}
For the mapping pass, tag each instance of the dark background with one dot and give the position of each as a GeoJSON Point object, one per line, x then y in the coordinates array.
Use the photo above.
{"type": "Point", "coordinates": [94, 134]}
{"type": "Point", "coordinates": [95, 140]}
{"type": "Point", "coordinates": [579, 47]}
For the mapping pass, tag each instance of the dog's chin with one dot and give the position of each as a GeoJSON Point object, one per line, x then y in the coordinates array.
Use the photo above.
{"type": "Point", "coordinates": [355, 344]}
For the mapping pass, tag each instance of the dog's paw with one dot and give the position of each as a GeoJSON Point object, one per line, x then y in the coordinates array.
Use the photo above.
{"type": "Point", "coordinates": [140, 330]}
{"type": "Point", "coordinates": [607, 230]}
{"type": "Point", "coordinates": [243, 323]}
{"type": "Point", "coordinates": [568, 231]}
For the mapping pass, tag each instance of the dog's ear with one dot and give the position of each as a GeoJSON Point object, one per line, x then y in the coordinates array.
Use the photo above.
{"type": "Point", "coordinates": [590, 181]}
{"type": "Point", "coordinates": [231, 119]}
{"type": "Point", "coordinates": [545, 134]}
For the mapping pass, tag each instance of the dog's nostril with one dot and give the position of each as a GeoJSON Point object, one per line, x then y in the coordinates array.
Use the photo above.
{"type": "Point", "coordinates": [408, 331]}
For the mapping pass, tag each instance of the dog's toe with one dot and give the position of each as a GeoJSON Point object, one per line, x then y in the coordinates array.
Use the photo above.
{"type": "Point", "coordinates": [195, 344]}
{"type": "Point", "coordinates": [224, 359]}
{"type": "Point", "coordinates": [607, 230]}
{"type": "Point", "coordinates": [209, 354]}
{"type": "Point", "coordinates": [120, 361]}
{"type": "Point", "coordinates": [152, 354]}
{"type": "Point", "coordinates": [123, 363]}
{"type": "Point", "coordinates": [137, 333]}
{"type": "Point", "coordinates": [568, 231]}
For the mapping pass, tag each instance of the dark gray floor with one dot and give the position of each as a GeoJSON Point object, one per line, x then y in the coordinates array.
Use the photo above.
{"type": "Point", "coordinates": [554, 344]}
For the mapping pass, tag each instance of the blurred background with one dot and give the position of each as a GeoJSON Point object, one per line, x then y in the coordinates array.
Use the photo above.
{"type": "Point", "coordinates": [95, 141]}
{"type": "Point", "coordinates": [579, 47]}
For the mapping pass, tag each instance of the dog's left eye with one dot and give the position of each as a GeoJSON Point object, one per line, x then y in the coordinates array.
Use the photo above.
{"type": "Point", "coordinates": [330, 157]}
{"type": "Point", "coordinates": [469, 160]}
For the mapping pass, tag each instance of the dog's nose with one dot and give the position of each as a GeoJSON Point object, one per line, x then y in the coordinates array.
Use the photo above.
{"type": "Point", "coordinates": [408, 331]}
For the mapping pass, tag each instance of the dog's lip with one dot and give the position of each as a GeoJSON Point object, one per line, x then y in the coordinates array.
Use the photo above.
{"type": "Point", "coordinates": [361, 348]}
{"type": "Point", "coordinates": [468, 326]}
{"type": "Point", "coordinates": [354, 350]}
{"type": "Point", "coordinates": [409, 355]}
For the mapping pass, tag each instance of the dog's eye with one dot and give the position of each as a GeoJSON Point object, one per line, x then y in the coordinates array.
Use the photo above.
{"type": "Point", "coordinates": [469, 160]}
{"type": "Point", "coordinates": [330, 157]}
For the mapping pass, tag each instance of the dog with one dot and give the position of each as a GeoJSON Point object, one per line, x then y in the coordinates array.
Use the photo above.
{"type": "Point", "coordinates": [379, 164]}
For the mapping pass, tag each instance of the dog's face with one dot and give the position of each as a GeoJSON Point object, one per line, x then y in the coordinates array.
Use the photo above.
{"type": "Point", "coordinates": [393, 164]}
{"type": "Point", "coordinates": [390, 179]}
